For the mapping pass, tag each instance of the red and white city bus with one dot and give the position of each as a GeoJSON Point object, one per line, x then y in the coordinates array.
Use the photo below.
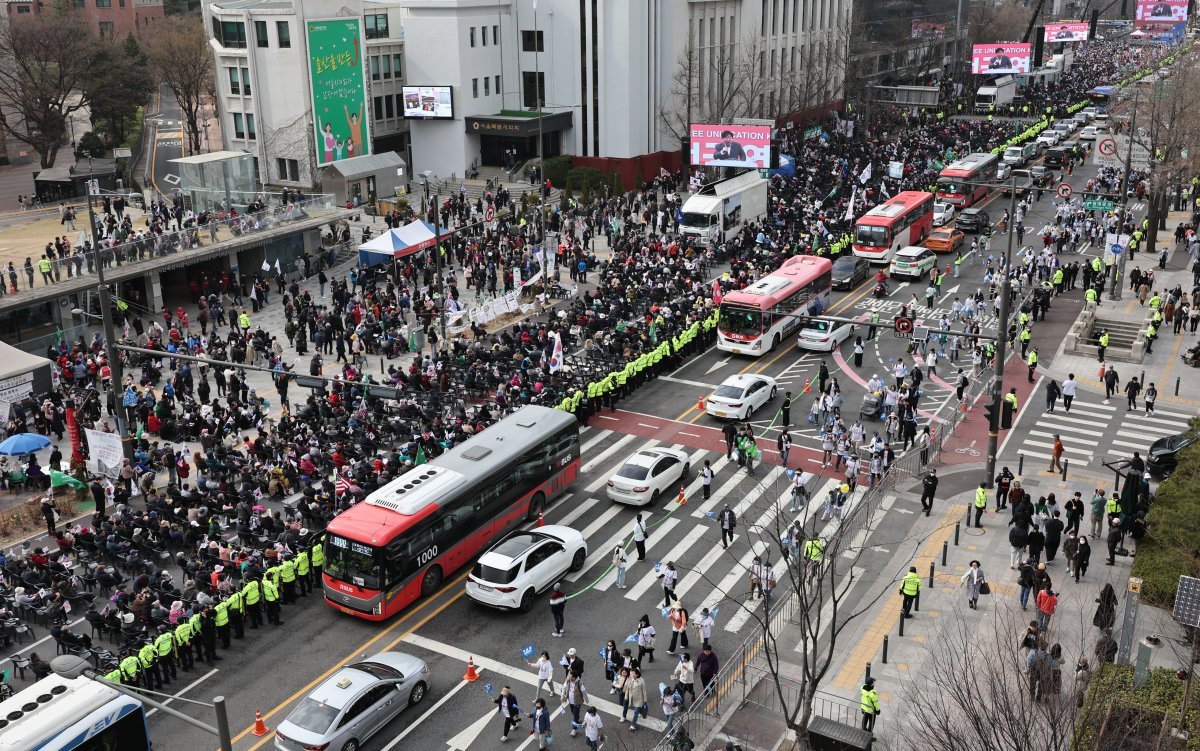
{"type": "Point", "coordinates": [756, 319]}
{"type": "Point", "coordinates": [905, 219]}
{"type": "Point", "coordinates": [958, 182]}
{"type": "Point", "coordinates": [404, 539]}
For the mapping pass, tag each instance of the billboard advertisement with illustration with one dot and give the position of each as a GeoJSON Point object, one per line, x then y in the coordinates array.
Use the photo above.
{"type": "Point", "coordinates": [339, 89]}
{"type": "Point", "coordinates": [1000, 59]}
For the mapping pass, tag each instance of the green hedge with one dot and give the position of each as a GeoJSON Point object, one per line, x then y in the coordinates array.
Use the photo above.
{"type": "Point", "coordinates": [1163, 692]}
{"type": "Point", "coordinates": [1169, 549]}
{"type": "Point", "coordinates": [556, 170]}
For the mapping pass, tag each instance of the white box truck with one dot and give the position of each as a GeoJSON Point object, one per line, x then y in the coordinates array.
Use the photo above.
{"type": "Point", "coordinates": [999, 93]}
{"type": "Point", "coordinates": [718, 210]}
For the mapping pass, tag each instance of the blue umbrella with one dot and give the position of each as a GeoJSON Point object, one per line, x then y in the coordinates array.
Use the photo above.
{"type": "Point", "coordinates": [23, 443]}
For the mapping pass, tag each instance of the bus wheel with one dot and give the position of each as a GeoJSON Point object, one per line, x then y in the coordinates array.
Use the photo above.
{"type": "Point", "coordinates": [536, 506]}
{"type": "Point", "coordinates": [775, 342]}
{"type": "Point", "coordinates": [431, 581]}
{"type": "Point", "coordinates": [526, 601]}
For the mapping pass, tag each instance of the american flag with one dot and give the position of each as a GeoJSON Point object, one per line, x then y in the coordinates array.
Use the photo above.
{"type": "Point", "coordinates": [342, 485]}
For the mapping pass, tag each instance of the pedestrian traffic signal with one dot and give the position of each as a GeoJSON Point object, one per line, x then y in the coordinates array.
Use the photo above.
{"type": "Point", "coordinates": [989, 412]}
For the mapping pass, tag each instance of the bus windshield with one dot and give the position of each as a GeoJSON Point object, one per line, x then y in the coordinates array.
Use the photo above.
{"type": "Point", "coordinates": [865, 234]}
{"type": "Point", "coordinates": [951, 185]}
{"type": "Point", "coordinates": [741, 321]}
{"type": "Point", "coordinates": [353, 562]}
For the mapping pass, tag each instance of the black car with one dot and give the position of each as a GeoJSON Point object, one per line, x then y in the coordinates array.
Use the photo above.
{"type": "Point", "coordinates": [849, 270]}
{"type": "Point", "coordinates": [1163, 455]}
{"type": "Point", "coordinates": [973, 220]}
{"type": "Point", "coordinates": [1041, 175]}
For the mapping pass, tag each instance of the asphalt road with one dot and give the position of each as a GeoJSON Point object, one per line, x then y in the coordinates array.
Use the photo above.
{"type": "Point", "coordinates": [271, 673]}
{"type": "Point", "coordinates": [167, 143]}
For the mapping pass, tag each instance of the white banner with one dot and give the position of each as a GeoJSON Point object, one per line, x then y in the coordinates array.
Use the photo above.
{"type": "Point", "coordinates": [105, 449]}
{"type": "Point", "coordinates": [17, 388]}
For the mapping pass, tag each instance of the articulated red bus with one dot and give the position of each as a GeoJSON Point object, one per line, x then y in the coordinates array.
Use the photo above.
{"type": "Point", "coordinates": [959, 182]}
{"type": "Point", "coordinates": [404, 539]}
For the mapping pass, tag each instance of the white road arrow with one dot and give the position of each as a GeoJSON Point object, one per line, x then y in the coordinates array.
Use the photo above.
{"type": "Point", "coordinates": [719, 365]}
{"type": "Point", "coordinates": [470, 734]}
{"type": "Point", "coordinates": [949, 292]}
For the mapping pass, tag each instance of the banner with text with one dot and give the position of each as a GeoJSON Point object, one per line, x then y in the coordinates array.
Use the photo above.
{"type": "Point", "coordinates": [928, 30]}
{"type": "Point", "coordinates": [731, 146]}
{"type": "Point", "coordinates": [105, 450]}
{"type": "Point", "coordinates": [339, 89]}
{"type": "Point", "coordinates": [1000, 58]}
{"type": "Point", "coordinates": [1174, 11]}
{"type": "Point", "coordinates": [1066, 32]}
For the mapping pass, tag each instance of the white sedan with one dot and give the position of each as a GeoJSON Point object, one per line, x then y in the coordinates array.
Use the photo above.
{"type": "Point", "coordinates": [525, 563]}
{"type": "Point", "coordinates": [648, 474]}
{"type": "Point", "coordinates": [942, 213]}
{"type": "Point", "coordinates": [740, 395]}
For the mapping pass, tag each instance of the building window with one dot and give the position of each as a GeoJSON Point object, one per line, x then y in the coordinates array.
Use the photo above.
{"type": "Point", "coordinates": [103, 3]}
{"type": "Point", "coordinates": [234, 86]}
{"type": "Point", "coordinates": [284, 32]}
{"type": "Point", "coordinates": [246, 81]}
{"type": "Point", "coordinates": [487, 86]}
{"type": "Point", "coordinates": [80, 3]}
{"type": "Point", "coordinates": [22, 9]}
{"type": "Point", "coordinates": [533, 41]}
{"type": "Point", "coordinates": [250, 127]}
{"type": "Point", "coordinates": [484, 30]}
{"type": "Point", "coordinates": [288, 169]}
{"type": "Point", "coordinates": [398, 65]}
{"type": "Point", "coordinates": [499, 91]}
{"type": "Point", "coordinates": [496, 34]}
{"type": "Point", "coordinates": [230, 33]}
{"type": "Point", "coordinates": [260, 34]}
{"type": "Point", "coordinates": [374, 67]}
{"type": "Point", "coordinates": [238, 130]}
{"type": "Point", "coordinates": [106, 29]}
{"type": "Point", "coordinates": [121, 3]}
{"type": "Point", "coordinates": [377, 104]}
{"type": "Point", "coordinates": [533, 88]}
{"type": "Point", "coordinates": [472, 35]}
{"type": "Point", "coordinates": [376, 26]}
{"type": "Point", "coordinates": [475, 88]}
{"type": "Point", "coordinates": [387, 67]}
{"type": "Point", "coordinates": [390, 106]}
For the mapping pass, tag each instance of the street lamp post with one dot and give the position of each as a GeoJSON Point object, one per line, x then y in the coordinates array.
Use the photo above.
{"type": "Point", "coordinates": [437, 245]}
{"type": "Point", "coordinates": [1118, 280]}
{"type": "Point", "coordinates": [110, 335]}
{"type": "Point", "coordinates": [993, 446]}
{"type": "Point", "coordinates": [74, 666]}
{"type": "Point", "coordinates": [539, 91]}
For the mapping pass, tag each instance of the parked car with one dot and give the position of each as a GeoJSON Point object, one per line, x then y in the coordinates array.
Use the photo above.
{"type": "Point", "coordinates": [1163, 456]}
{"type": "Point", "coordinates": [1003, 170]}
{"type": "Point", "coordinates": [943, 213]}
{"type": "Point", "coordinates": [1041, 175]}
{"type": "Point", "coordinates": [1048, 138]}
{"type": "Point", "coordinates": [354, 703]}
{"type": "Point", "coordinates": [648, 474]}
{"type": "Point", "coordinates": [739, 395]}
{"type": "Point", "coordinates": [973, 220]}
{"type": "Point", "coordinates": [913, 262]}
{"type": "Point", "coordinates": [523, 564]}
{"type": "Point", "coordinates": [849, 270]}
{"type": "Point", "coordinates": [945, 239]}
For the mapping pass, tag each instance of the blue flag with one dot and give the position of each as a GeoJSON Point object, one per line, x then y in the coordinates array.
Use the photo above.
{"type": "Point", "coordinates": [631, 639]}
{"type": "Point", "coordinates": [711, 514]}
{"type": "Point", "coordinates": [602, 650]}
{"type": "Point", "coordinates": [488, 688]}
{"type": "Point", "coordinates": [528, 651]}
{"type": "Point", "coordinates": [662, 690]}
{"type": "Point", "coordinates": [657, 566]}
{"type": "Point", "coordinates": [666, 612]}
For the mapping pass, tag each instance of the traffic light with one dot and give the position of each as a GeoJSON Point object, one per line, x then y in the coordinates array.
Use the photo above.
{"type": "Point", "coordinates": [989, 412]}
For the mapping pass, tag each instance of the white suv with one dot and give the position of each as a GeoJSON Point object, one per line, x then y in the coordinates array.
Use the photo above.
{"type": "Point", "coordinates": [523, 564]}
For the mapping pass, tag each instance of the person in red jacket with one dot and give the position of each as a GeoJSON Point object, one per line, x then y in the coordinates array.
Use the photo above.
{"type": "Point", "coordinates": [1047, 602]}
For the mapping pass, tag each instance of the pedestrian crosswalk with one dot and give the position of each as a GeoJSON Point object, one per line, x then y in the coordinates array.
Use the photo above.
{"type": "Point", "coordinates": [688, 535]}
{"type": "Point", "coordinates": [1094, 429]}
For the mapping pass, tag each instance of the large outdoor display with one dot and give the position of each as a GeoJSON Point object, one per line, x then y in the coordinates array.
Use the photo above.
{"type": "Point", "coordinates": [1000, 58]}
{"type": "Point", "coordinates": [731, 146]}
{"type": "Point", "coordinates": [1162, 10]}
{"type": "Point", "coordinates": [428, 102]}
{"type": "Point", "coordinates": [339, 89]}
{"type": "Point", "coordinates": [1066, 32]}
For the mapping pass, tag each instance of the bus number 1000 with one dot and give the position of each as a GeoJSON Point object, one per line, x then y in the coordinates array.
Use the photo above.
{"type": "Point", "coordinates": [425, 556]}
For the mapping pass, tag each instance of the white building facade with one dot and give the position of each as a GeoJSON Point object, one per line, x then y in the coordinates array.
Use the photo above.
{"type": "Point", "coordinates": [618, 78]}
{"type": "Point", "coordinates": [262, 80]}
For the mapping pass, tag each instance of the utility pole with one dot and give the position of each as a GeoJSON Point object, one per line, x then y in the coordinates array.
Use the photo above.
{"type": "Point", "coordinates": [538, 95]}
{"type": "Point", "coordinates": [993, 445]}
{"type": "Point", "coordinates": [117, 387]}
{"type": "Point", "coordinates": [437, 253]}
{"type": "Point", "coordinates": [1118, 280]}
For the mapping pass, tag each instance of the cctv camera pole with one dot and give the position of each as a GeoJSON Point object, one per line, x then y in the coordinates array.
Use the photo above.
{"type": "Point", "coordinates": [116, 384]}
{"type": "Point", "coordinates": [989, 470]}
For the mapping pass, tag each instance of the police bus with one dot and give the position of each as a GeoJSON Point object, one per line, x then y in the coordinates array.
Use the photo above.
{"type": "Point", "coordinates": [72, 714]}
{"type": "Point", "coordinates": [401, 542]}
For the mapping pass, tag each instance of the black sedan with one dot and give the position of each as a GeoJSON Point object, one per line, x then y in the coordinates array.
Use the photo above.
{"type": "Point", "coordinates": [849, 270]}
{"type": "Point", "coordinates": [1163, 456]}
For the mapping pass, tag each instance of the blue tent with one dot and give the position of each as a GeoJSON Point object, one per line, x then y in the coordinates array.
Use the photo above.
{"type": "Point", "coordinates": [786, 168]}
{"type": "Point", "coordinates": [397, 243]}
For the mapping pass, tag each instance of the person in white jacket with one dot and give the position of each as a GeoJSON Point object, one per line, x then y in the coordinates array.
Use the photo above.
{"type": "Point", "coordinates": [545, 671]}
{"type": "Point", "coordinates": [685, 677]}
{"type": "Point", "coordinates": [592, 727]}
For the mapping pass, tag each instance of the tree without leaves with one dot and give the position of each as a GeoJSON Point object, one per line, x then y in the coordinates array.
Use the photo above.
{"type": "Point", "coordinates": [988, 22]}
{"type": "Point", "coordinates": [178, 51]}
{"type": "Point", "coordinates": [45, 61]}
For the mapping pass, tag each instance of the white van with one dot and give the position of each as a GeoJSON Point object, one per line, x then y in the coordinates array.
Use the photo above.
{"type": "Point", "coordinates": [1017, 156]}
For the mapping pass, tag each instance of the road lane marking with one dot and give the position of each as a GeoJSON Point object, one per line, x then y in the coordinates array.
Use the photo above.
{"type": "Point", "coordinates": [184, 690]}
{"type": "Point", "coordinates": [427, 713]}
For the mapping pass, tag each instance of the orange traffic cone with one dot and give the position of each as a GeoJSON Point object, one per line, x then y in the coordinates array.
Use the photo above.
{"type": "Point", "coordinates": [700, 403]}
{"type": "Point", "coordinates": [682, 498]}
{"type": "Point", "coordinates": [472, 674]}
{"type": "Point", "coordinates": [540, 522]}
{"type": "Point", "coordinates": [260, 727]}
{"type": "Point", "coordinates": [807, 386]}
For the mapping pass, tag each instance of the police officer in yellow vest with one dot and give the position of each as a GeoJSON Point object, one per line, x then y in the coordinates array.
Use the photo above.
{"type": "Point", "coordinates": [910, 587]}
{"type": "Point", "coordinates": [980, 504]}
{"type": "Point", "coordinates": [1112, 508]}
{"type": "Point", "coordinates": [1032, 363]}
{"type": "Point", "coordinates": [165, 647]}
{"type": "Point", "coordinates": [252, 592]}
{"type": "Point", "coordinates": [271, 597]}
{"type": "Point", "coordinates": [317, 557]}
{"type": "Point", "coordinates": [183, 638]}
{"type": "Point", "coordinates": [1091, 297]}
{"type": "Point", "coordinates": [1151, 335]}
{"type": "Point", "coordinates": [45, 266]}
{"type": "Point", "coordinates": [869, 704]}
{"type": "Point", "coordinates": [287, 580]}
{"type": "Point", "coordinates": [303, 583]}
{"type": "Point", "coordinates": [237, 614]}
{"type": "Point", "coordinates": [130, 669]}
{"type": "Point", "coordinates": [150, 677]}
{"type": "Point", "coordinates": [221, 621]}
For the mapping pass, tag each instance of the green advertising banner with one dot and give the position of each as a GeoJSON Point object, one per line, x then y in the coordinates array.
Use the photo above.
{"type": "Point", "coordinates": [339, 90]}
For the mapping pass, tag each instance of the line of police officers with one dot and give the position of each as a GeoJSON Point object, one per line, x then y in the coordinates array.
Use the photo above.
{"type": "Point", "coordinates": [195, 639]}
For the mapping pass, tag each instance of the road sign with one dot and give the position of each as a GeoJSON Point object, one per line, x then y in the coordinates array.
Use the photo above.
{"type": "Point", "coordinates": [489, 213]}
{"type": "Point", "coordinates": [903, 327]}
{"type": "Point", "coordinates": [1106, 147]}
{"type": "Point", "coordinates": [764, 173]}
{"type": "Point", "coordinates": [1063, 190]}
{"type": "Point", "coordinates": [1111, 151]}
{"type": "Point", "coordinates": [125, 153]}
{"type": "Point", "coordinates": [1098, 205]}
